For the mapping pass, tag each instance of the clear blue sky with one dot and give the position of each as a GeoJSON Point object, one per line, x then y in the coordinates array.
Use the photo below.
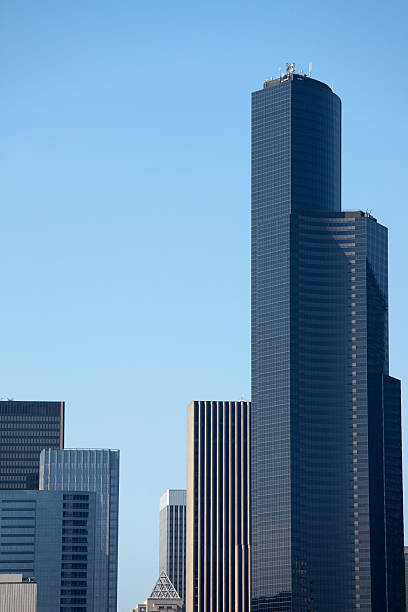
{"type": "Point", "coordinates": [124, 252]}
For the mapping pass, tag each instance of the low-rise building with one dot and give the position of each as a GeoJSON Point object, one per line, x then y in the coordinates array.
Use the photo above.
{"type": "Point", "coordinates": [163, 596]}
{"type": "Point", "coordinates": [16, 594]}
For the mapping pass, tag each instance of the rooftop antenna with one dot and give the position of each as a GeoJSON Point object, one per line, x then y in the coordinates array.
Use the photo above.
{"type": "Point", "coordinates": [290, 67]}
{"type": "Point", "coordinates": [310, 68]}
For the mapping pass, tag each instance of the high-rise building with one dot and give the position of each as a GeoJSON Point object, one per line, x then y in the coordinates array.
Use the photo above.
{"type": "Point", "coordinates": [326, 488]}
{"type": "Point", "coordinates": [172, 550]}
{"type": "Point", "coordinates": [217, 533]}
{"type": "Point", "coordinates": [89, 470]}
{"type": "Point", "coordinates": [50, 536]}
{"type": "Point", "coordinates": [25, 429]}
{"type": "Point", "coordinates": [406, 575]}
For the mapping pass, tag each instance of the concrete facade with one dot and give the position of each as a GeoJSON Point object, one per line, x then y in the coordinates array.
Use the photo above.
{"type": "Point", "coordinates": [17, 595]}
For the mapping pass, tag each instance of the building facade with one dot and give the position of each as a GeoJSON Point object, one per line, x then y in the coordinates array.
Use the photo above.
{"type": "Point", "coordinates": [217, 533]}
{"type": "Point", "coordinates": [16, 594]}
{"type": "Point", "coordinates": [326, 485]}
{"type": "Point", "coordinates": [172, 548]}
{"type": "Point", "coordinates": [26, 428]}
{"type": "Point", "coordinates": [50, 536]}
{"type": "Point", "coordinates": [89, 470]}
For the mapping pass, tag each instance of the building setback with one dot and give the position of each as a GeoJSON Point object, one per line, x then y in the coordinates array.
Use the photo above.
{"type": "Point", "coordinates": [326, 486]}
{"type": "Point", "coordinates": [172, 549]}
{"type": "Point", "coordinates": [26, 428]}
{"type": "Point", "coordinates": [90, 470]}
{"type": "Point", "coordinates": [217, 533]}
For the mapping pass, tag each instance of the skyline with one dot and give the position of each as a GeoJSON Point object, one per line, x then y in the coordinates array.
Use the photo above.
{"type": "Point", "coordinates": [55, 260]}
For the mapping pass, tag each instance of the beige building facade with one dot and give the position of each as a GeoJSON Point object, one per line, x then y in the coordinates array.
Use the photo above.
{"type": "Point", "coordinates": [217, 530]}
{"type": "Point", "coordinates": [17, 595]}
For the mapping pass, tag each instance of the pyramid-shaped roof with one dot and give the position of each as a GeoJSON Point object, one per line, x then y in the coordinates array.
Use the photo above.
{"type": "Point", "coordinates": [164, 589]}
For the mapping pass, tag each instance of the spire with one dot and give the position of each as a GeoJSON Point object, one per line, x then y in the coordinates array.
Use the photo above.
{"type": "Point", "coordinates": [164, 589]}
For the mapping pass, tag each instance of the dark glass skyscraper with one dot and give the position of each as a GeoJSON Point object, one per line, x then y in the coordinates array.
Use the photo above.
{"type": "Point", "coordinates": [26, 428]}
{"type": "Point", "coordinates": [326, 486]}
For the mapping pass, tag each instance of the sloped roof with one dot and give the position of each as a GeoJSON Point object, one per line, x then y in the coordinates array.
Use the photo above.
{"type": "Point", "coordinates": [164, 589]}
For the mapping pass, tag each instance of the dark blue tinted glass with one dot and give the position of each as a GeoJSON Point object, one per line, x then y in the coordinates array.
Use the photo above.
{"type": "Point", "coordinates": [326, 493]}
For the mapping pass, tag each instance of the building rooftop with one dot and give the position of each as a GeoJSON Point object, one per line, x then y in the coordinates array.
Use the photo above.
{"type": "Point", "coordinates": [291, 75]}
{"type": "Point", "coordinates": [173, 497]}
{"type": "Point", "coordinates": [164, 589]}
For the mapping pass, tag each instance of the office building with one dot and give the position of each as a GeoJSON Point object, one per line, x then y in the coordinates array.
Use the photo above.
{"type": "Point", "coordinates": [172, 551]}
{"type": "Point", "coordinates": [50, 536]}
{"type": "Point", "coordinates": [326, 488]}
{"type": "Point", "coordinates": [217, 532]}
{"type": "Point", "coordinates": [25, 429]}
{"type": "Point", "coordinates": [16, 594]}
{"type": "Point", "coordinates": [89, 470]}
{"type": "Point", "coordinates": [406, 576]}
{"type": "Point", "coordinates": [162, 597]}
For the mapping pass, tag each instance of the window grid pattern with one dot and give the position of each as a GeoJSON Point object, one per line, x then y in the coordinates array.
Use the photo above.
{"type": "Point", "coordinates": [96, 471]}
{"type": "Point", "coordinates": [26, 428]}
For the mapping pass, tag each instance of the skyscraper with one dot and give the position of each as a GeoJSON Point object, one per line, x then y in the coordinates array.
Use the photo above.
{"type": "Point", "coordinates": [217, 556]}
{"type": "Point", "coordinates": [172, 551]}
{"type": "Point", "coordinates": [326, 488]}
{"type": "Point", "coordinates": [25, 429]}
{"type": "Point", "coordinates": [50, 535]}
{"type": "Point", "coordinates": [77, 470]}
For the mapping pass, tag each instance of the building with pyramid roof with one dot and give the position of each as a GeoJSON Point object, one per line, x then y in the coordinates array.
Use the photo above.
{"type": "Point", "coordinates": [163, 596]}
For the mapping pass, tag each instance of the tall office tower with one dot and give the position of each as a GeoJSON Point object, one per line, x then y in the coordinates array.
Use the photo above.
{"type": "Point", "coordinates": [172, 551]}
{"type": "Point", "coordinates": [326, 490]}
{"type": "Point", "coordinates": [50, 536]}
{"type": "Point", "coordinates": [77, 470]}
{"type": "Point", "coordinates": [217, 533]}
{"type": "Point", "coordinates": [25, 429]}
